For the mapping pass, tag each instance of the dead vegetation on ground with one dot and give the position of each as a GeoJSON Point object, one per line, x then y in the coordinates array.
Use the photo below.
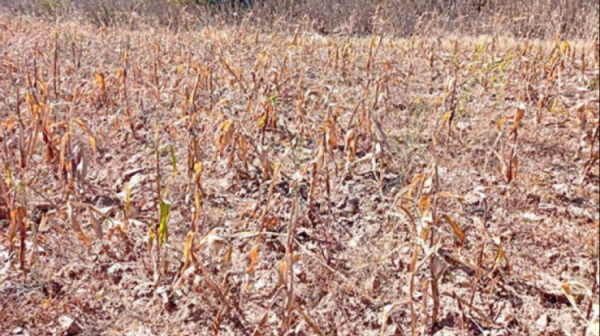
{"type": "Point", "coordinates": [227, 182]}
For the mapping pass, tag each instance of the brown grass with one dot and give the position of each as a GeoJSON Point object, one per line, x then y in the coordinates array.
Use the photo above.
{"type": "Point", "coordinates": [231, 182]}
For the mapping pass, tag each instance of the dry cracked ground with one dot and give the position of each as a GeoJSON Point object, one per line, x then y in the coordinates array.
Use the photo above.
{"type": "Point", "coordinates": [231, 182]}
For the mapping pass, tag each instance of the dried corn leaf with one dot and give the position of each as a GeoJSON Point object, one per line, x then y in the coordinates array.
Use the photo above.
{"type": "Point", "coordinates": [253, 259]}
{"type": "Point", "coordinates": [100, 79]}
{"type": "Point", "coordinates": [385, 315]}
{"type": "Point", "coordinates": [572, 288]}
{"type": "Point", "coordinates": [456, 228]}
{"type": "Point", "coordinates": [97, 226]}
{"type": "Point", "coordinates": [75, 225]}
{"type": "Point", "coordinates": [501, 123]}
{"type": "Point", "coordinates": [518, 118]}
{"type": "Point", "coordinates": [283, 269]}
{"type": "Point", "coordinates": [151, 238]}
{"type": "Point", "coordinates": [187, 250]}
{"type": "Point", "coordinates": [499, 258]}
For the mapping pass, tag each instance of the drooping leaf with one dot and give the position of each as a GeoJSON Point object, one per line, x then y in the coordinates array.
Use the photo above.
{"type": "Point", "coordinates": [456, 228]}
{"type": "Point", "coordinates": [416, 180]}
{"type": "Point", "coordinates": [99, 79]}
{"type": "Point", "coordinates": [163, 231]}
{"type": "Point", "coordinates": [151, 238]}
{"type": "Point", "coordinates": [253, 259]}
{"type": "Point", "coordinates": [187, 249]}
{"type": "Point", "coordinates": [501, 123]}
{"type": "Point", "coordinates": [9, 178]}
{"type": "Point", "coordinates": [518, 118]}
{"type": "Point", "coordinates": [76, 227]}
{"type": "Point", "coordinates": [93, 145]}
{"type": "Point", "coordinates": [128, 198]}
{"type": "Point", "coordinates": [499, 258]}
{"type": "Point", "coordinates": [385, 315]}
{"type": "Point", "coordinates": [97, 226]}
{"type": "Point", "coordinates": [283, 268]}
{"type": "Point", "coordinates": [572, 288]}
{"type": "Point", "coordinates": [227, 256]}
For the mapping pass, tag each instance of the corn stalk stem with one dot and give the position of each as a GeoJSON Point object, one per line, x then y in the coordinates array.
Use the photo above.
{"type": "Point", "coordinates": [158, 202]}
{"type": "Point", "coordinates": [291, 299]}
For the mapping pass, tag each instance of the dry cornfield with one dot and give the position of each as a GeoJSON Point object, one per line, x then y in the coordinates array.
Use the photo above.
{"type": "Point", "coordinates": [233, 182]}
